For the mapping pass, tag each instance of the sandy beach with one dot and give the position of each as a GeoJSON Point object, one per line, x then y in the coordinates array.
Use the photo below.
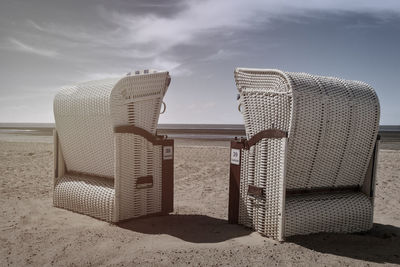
{"type": "Point", "coordinates": [32, 232]}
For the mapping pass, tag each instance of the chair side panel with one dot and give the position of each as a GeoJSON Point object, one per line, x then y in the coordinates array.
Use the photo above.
{"type": "Point", "coordinates": [246, 203]}
{"type": "Point", "coordinates": [263, 166]}
{"type": "Point", "coordinates": [136, 157]}
{"type": "Point", "coordinates": [267, 103]}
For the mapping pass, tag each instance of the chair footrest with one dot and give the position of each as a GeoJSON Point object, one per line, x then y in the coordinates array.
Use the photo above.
{"type": "Point", "coordinates": [328, 212]}
{"type": "Point", "coordinates": [93, 196]}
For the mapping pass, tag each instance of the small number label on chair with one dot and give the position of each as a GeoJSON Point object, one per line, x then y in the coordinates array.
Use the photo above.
{"type": "Point", "coordinates": [168, 152]}
{"type": "Point", "coordinates": [235, 156]}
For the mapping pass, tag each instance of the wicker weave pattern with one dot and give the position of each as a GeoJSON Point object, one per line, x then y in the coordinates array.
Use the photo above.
{"type": "Point", "coordinates": [93, 196]}
{"type": "Point", "coordinates": [326, 135]}
{"type": "Point", "coordinates": [246, 203]}
{"type": "Point", "coordinates": [331, 121]}
{"type": "Point", "coordinates": [82, 116]}
{"type": "Point", "coordinates": [332, 126]}
{"type": "Point", "coordinates": [136, 157]}
{"type": "Point", "coordinates": [335, 212]}
{"type": "Point", "coordinates": [136, 100]}
{"type": "Point", "coordinates": [263, 167]}
{"type": "Point", "coordinates": [106, 165]}
{"type": "Point", "coordinates": [269, 175]}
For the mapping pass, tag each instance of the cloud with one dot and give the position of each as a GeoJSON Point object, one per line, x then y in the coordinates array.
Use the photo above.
{"type": "Point", "coordinates": [172, 66]}
{"type": "Point", "coordinates": [163, 63]}
{"type": "Point", "coordinates": [221, 54]}
{"type": "Point", "coordinates": [201, 19]}
{"type": "Point", "coordinates": [149, 35]}
{"type": "Point", "coordinates": [18, 45]}
{"type": "Point", "coordinates": [110, 38]}
{"type": "Point", "coordinates": [140, 37]}
{"type": "Point", "coordinates": [218, 15]}
{"type": "Point", "coordinates": [377, 8]}
{"type": "Point", "coordinates": [101, 75]}
{"type": "Point", "coordinates": [35, 25]}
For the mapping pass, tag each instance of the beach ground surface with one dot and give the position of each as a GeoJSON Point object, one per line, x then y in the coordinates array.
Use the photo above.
{"type": "Point", "coordinates": [33, 232]}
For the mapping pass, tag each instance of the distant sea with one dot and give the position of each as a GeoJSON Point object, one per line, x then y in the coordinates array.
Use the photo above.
{"type": "Point", "coordinates": [187, 131]}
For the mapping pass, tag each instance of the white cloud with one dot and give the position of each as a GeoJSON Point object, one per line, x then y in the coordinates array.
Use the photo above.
{"type": "Point", "coordinates": [149, 37]}
{"type": "Point", "coordinates": [217, 15]}
{"type": "Point", "coordinates": [201, 17]}
{"type": "Point", "coordinates": [172, 66]}
{"type": "Point", "coordinates": [20, 46]}
{"type": "Point", "coordinates": [35, 25]}
{"type": "Point", "coordinates": [164, 64]}
{"type": "Point", "coordinates": [100, 75]}
{"type": "Point", "coordinates": [221, 54]}
{"type": "Point", "coordinates": [222, 17]}
{"type": "Point", "coordinates": [359, 6]}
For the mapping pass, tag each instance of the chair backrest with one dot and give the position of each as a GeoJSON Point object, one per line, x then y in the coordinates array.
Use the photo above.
{"type": "Point", "coordinates": [332, 123]}
{"type": "Point", "coordinates": [85, 115]}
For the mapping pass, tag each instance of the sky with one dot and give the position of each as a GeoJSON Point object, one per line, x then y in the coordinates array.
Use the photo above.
{"type": "Point", "coordinates": [45, 45]}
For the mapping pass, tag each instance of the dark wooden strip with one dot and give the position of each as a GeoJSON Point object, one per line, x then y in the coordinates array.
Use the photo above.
{"type": "Point", "coordinates": [270, 133]}
{"type": "Point", "coordinates": [355, 188]}
{"type": "Point", "coordinates": [255, 191]}
{"type": "Point", "coordinates": [234, 185]}
{"type": "Point", "coordinates": [55, 146]}
{"type": "Point", "coordinates": [155, 140]}
{"type": "Point", "coordinates": [167, 198]}
{"type": "Point", "coordinates": [144, 182]}
{"type": "Point", "coordinates": [144, 179]}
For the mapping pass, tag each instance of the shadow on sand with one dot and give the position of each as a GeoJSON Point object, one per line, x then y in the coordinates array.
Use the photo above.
{"type": "Point", "coordinates": [380, 245]}
{"type": "Point", "coordinates": [190, 228]}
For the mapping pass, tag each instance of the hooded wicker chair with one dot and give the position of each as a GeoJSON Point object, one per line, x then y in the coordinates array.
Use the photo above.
{"type": "Point", "coordinates": [308, 163]}
{"type": "Point", "coordinates": [109, 164]}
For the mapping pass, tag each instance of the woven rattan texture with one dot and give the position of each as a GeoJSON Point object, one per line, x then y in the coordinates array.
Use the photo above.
{"type": "Point", "coordinates": [85, 116]}
{"type": "Point", "coordinates": [329, 121]}
{"type": "Point", "coordinates": [136, 100]}
{"type": "Point", "coordinates": [263, 166]}
{"type": "Point", "coordinates": [334, 212]}
{"type": "Point", "coordinates": [83, 123]}
{"type": "Point", "coordinates": [92, 196]}
{"type": "Point", "coordinates": [332, 126]}
{"type": "Point", "coordinates": [137, 157]}
{"type": "Point", "coordinates": [246, 202]}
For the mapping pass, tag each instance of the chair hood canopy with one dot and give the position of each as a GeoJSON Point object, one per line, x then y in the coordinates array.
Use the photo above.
{"type": "Point", "coordinates": [332, 123]}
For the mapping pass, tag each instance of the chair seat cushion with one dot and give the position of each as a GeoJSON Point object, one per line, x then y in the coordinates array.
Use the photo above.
{"type": "Point", "coordinates": [93, 196]}
{"type": "Point", "coordinates": [343, 212]}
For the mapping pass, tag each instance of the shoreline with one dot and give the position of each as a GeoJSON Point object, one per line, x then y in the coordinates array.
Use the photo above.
{"type": "Point", "coordinates": [218, 132]}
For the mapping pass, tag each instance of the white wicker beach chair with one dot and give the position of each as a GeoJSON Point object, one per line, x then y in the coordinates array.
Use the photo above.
{"type": "Point", "coordinates": [308, 163]}
{"type": "Point", "coordinates": [109, 164]}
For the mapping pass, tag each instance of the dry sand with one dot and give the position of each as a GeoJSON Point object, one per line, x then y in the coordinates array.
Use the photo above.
{"type": "Point", "coordinates": [197, 233]}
